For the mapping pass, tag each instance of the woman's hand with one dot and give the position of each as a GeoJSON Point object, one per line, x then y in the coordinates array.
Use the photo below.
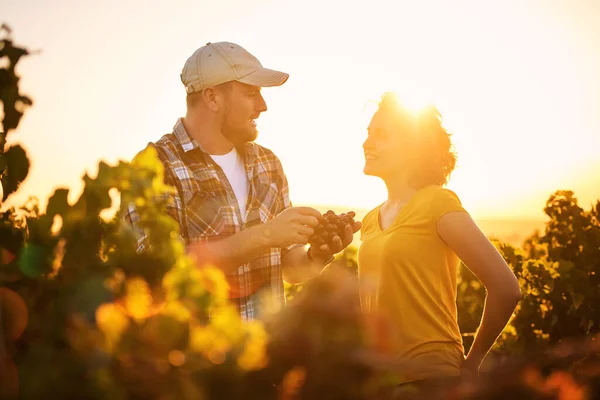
{"type": "Point", "coordinates": [470, 368]}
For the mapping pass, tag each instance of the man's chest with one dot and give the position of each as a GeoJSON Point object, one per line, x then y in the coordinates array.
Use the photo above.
{"type": "Point", "coordinates": [212, 208]}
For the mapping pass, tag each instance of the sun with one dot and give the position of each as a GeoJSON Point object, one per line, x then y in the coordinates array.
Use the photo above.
{"type": "Point", "coordinates": [414, 101]}
{"type": "Point", "coordinates": [410, 97]}
{"type": "Point", "coordinates": [414, 98]}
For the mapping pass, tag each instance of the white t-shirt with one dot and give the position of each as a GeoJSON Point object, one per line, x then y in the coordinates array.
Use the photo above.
{"type": "Point", "coordinates": [233, 167]}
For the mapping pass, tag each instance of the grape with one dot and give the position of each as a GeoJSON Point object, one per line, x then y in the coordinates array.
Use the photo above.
{"type": "Point", "coordinates": [331, 225]}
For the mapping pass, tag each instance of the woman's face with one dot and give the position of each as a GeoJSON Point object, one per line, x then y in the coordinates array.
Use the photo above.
{"type": "Point", "coordinates": [385, 148]}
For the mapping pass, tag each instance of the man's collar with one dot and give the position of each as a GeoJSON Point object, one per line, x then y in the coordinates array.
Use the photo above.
{"type": "Point", "coordinates": [188, 144]}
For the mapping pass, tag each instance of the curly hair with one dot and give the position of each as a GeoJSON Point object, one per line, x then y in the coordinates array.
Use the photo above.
{"type": "Point", "coordinates": [432, 158]}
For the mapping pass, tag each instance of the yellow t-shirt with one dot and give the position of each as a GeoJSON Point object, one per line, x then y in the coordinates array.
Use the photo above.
{"type": "Point", "coordinates": [408, 276]}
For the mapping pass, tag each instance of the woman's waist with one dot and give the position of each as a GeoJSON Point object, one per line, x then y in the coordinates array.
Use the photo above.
{"type": "Point", "coordinates": [429, 359]}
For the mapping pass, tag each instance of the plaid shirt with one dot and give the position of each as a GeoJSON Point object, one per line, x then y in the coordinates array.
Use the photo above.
{"type": "Point", "coordinates": [206, 208]}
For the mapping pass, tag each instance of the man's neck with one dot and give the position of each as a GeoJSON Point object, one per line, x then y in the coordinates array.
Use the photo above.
{"type": "Point", "coordinates": [207, 135]}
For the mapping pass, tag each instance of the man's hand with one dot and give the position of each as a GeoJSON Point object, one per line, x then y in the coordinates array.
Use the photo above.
{"type": "Point", "coordinates": [338, 244]}
{"type": "Point", "coordinates": [294, 225]}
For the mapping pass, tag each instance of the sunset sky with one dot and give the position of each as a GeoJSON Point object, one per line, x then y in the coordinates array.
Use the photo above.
{"type": "Point", "coordinates": [517, 82]}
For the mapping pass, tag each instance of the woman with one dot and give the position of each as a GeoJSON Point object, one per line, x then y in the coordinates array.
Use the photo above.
{"type": "Point", "coordinates": [411, 247]}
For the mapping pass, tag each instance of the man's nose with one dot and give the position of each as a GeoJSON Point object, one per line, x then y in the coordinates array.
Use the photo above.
{"type": "Point", "coordinates": [261, 105]}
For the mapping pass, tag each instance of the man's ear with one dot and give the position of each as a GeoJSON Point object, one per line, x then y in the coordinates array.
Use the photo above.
{"type": "Point", "coordinates": [212, 98]}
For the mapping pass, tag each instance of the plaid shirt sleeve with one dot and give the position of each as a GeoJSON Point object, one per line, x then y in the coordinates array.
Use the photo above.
{"type": "Point", "coordinates": [173, 208]}
{"type": "Point", "coordinates": [284, 194]}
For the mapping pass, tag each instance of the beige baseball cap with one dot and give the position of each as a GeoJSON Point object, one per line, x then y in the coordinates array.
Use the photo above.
{"type": "Point", "coordinates": [217, 63]}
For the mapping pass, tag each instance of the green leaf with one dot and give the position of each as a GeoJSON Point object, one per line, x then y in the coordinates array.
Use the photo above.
{"type": "Point", "coordinates": [88, 295]}
{"type": "Point", "coordinates": [565, 268]}
{"type": "Point", "coordinates": [577, 299]}
{"type": "Point", "coordinates": [58, 203]}
{"type": "Point", "coordinates": [590, 324]}
{"type": "Point", "coordinates": [33, 260]}
{"type": "Point", "coordinates": [17, 168]}
{"type": "Point", "coordinates": [11, 238]}
{"type": "Point", "coordinates": [14, 103]}
{"type": "Point", "coordinates": [105, 173]}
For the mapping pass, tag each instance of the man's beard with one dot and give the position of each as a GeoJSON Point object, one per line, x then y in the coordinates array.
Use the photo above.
{"type": "Point", "coordinates": [237, 135]}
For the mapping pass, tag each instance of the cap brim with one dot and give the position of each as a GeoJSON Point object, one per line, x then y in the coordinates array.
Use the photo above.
{"type": "Point", "coordinates": [265, 77]}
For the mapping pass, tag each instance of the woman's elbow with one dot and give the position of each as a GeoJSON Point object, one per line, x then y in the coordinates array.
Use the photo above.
{"type": "Point", "coordinates": [516, 295]}
{"type": "Point", "coordinates": [513, 295]}
{"type": "Point", "coordinates": [509, 293]}
{"type": "Point", "coordinates": [515, 290]}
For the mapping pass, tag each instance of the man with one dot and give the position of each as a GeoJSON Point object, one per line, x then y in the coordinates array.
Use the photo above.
{"type": "Point", "coordinates": [232, 200]}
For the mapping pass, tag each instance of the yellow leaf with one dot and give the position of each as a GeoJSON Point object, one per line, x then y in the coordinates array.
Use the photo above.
{"type": "Point", "coordinates": [201, 338]}
{"type": "Point", "coordinates": [138, 300]}
{"type": "Point", "coordinates": [177, 310]}
{"type": "Point", "coordinates": [292, 382]}
{"type": "Point", "coordinates": [228, 323]}
{"type": "Point", "coordinates": [206, 340]}
{"type": "Point", "coordinates": [510, 330]}
{"type": "Point", "coordinates": [147, 158]}
{"type": "Point", "coordinates": [112, 322]}
{"type": "Point", "coordinates": [214, 281]}
{"type": "Point", "coordinates": [254, 355]}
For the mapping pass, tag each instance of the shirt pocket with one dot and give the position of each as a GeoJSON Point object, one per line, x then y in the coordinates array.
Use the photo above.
{"type": "Point", "coordinates": [268, 201]}
{"type": "Point", "coordinates": [204, 216]}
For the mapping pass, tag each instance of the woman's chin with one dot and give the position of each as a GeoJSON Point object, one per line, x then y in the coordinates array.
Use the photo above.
{"type": "Point", "coordinates": [370, 171]}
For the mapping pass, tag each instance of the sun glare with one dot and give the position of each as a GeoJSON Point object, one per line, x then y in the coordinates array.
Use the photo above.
{"type": "Point", "coordinates": [414, 101]}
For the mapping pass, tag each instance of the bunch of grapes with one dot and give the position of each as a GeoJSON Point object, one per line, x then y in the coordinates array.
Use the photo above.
{"type": "Point", "coordinates": [331, 225]}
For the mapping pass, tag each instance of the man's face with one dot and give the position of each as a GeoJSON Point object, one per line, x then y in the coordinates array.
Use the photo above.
{"type": "Point", "coordinates": [242, 105]}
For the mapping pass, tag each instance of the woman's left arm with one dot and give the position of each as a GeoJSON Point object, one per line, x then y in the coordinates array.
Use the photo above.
{"type": "Point", "coordinates": [458, 230]}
